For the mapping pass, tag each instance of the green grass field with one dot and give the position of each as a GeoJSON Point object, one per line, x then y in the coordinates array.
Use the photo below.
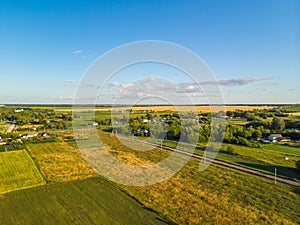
{"type": "Point", "coordinates": [89, 201]}
{"type": "Point", "coordinates": [18, 171]}
{"type": "Point", "coordinates": [252, 161]}
{"type": "Point", "coordinates": [214, 196]}
{"type": "Point", "coordinates": [262, 159]}
{"type": "Point", "coordinates": [236, 121]}
{"type": "Point", "coordinates": [291, 108]}
{"type": "Point", "coordinates": [264, 155]}
{"type": "Point", "coordinates": [288, 150]}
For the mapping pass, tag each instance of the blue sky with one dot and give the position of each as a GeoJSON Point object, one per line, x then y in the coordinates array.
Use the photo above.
{"type": "Point", "coordinates": [252, 47]}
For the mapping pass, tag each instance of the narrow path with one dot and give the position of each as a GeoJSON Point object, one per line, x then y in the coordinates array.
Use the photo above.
{"type": "Point", "coordinates": [10, 128]}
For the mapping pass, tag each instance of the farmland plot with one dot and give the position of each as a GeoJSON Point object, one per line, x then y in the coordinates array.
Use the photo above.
{"type": "Point", "coordinates": [18, 171]}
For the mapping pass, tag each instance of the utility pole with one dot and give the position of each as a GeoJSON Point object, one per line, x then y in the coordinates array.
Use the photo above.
{"type": "Point", "coordinates": [161, 144]}
{"type": "Point", "coordinates": [275, 176]}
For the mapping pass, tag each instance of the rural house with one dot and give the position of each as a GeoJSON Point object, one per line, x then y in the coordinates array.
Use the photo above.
{"type": "Point", "coordinates": [277, 137]}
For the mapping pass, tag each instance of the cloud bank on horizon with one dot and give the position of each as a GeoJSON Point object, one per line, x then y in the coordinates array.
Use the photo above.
{"type": "Point", "coordinates": [153, 87]}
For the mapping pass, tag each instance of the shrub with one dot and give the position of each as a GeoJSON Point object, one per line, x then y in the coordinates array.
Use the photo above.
{"type": "Point", "coordinates": [230, 150]}
{"type": "Point", "coordinates": [243, 141]}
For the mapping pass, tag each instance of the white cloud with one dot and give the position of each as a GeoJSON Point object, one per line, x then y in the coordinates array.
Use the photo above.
{"type": "Point", "coordinates": [77, 52]}
{"type": "Point", "coordinates": [114, 84]}
{"type": "Point", "coordinates": [234, 81]}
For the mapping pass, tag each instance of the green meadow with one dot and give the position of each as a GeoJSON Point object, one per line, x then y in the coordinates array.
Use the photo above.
{"type": "Point", "coordinates": [89, 201]}
{"type": "Point", "coordinates": [18, 171]}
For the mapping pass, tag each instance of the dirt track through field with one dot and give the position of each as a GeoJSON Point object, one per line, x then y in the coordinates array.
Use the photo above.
{"type": "Point", "coordinates": [10, 128]}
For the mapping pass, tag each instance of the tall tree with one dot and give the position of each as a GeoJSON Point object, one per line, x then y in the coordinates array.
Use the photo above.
{"type": "Point", "coordinates": [278, 124]}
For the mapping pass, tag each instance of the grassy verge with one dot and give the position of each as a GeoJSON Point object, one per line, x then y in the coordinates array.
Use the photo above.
{"type": "Point", "coordinates": [267, 160]}
{"type": "Point", "coordinates": [262, 159]}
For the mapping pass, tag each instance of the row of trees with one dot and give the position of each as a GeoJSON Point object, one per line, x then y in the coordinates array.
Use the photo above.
{"type": "Point", "coordinates": [14, 145]}
{"type": "Point", "coordinates": [277, 124]}
{"type": "Point", "coordinates": [263, 114]}
{"type": "Point", "coordinates": [46, 117]}
{"type": "Point", "coordinates": [173, 126]}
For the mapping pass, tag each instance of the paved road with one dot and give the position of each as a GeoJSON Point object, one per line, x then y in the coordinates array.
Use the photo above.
{"type": "Point", "coordinates": [231, 166]}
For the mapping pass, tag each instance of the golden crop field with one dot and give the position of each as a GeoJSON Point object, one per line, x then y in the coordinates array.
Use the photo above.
{"type": "Point", "coordinates": [60, 162]}
{"type": "Point", "coordinates": [199, 108]}
{"type": "Point", "coordinates": [160, 108]}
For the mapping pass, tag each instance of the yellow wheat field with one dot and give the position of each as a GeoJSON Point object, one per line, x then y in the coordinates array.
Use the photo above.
{"type": "Point", "coordinates": [189, 108]}
{"type": "Point", "coordinates": [182, 108]}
